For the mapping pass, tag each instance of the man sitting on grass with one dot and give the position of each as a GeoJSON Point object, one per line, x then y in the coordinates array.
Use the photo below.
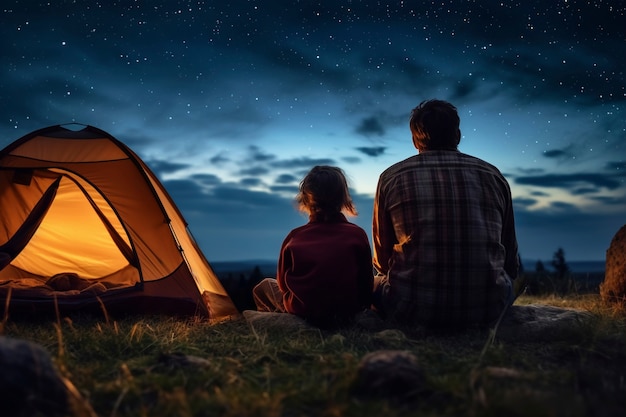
{"type": "Point", "coordinates": [444, 239]}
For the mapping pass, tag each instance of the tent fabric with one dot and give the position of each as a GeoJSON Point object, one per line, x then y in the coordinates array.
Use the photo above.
{"type": "Point", "coordinates": [80, 207]}
{"type": "Point", "coordinates": [20, 239]}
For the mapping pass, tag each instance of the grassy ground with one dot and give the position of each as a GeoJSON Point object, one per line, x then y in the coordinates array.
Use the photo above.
{"type": "Point", "coordinates": [160, 366]}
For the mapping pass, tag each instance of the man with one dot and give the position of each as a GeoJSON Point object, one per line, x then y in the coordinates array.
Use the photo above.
{"type": "Point", "coordinates": [444, 239]}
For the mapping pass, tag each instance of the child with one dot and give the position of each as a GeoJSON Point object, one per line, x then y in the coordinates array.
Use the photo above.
{"type": "Point", "coordinates": [325, 270]}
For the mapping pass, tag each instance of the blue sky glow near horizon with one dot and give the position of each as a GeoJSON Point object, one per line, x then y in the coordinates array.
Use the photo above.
{"type": "Point", "coordinates": [231, 104]}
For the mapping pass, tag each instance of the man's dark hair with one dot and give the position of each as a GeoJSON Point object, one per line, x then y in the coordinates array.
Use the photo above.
{"type": "Point", "coordinates": [435, 126]}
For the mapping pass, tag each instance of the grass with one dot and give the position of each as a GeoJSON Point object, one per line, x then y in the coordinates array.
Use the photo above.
{"type": "Point", "coordinates": [161, 366]}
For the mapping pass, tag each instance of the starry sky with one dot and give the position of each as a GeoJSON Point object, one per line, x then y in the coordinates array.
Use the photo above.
{"type": "Point", "coordinates": [231, 103]}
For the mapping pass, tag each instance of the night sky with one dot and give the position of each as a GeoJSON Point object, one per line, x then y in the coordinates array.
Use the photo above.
{"type": "Point", "coordinates": [231, 103]}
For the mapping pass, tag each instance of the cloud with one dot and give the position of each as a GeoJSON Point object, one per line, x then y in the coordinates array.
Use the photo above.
{"type": "Point", "coordinates": [161, 167]}
{"type": "Point", "coordinates": [290, 190]}
{"type": "Point", "coordinates": [372, 151]}
{"type": "Point", "coordinates": [584, 191]}
{"type": "Point", "coordinates": [538, 193]}
{"type": "Point", "coordinates": [610, 201]}
{"type": "Point", "coordinates": [206, 179]}
{"type": "Point", "coordinates": [531, 171]}
{"type": "Point", "coordinates": [286, 179]}
{"type": "Point", "coordinates": [351, 159]}
{"type": "Point", "coordinates": [564, 206]}
{"type": "Point", "coordinates": [558, 154]}
{"type": "Point", "coordinates": [465, 88]}
{"type": "Point", "coordinates": [524, 201]}
{"type": "Point", "coordinates": [254, 171]}
{"type": "Point", "coordinates": [258, 155]}
{"type": "Point", "coordinates": [251, 182]}
{"type": "Point", "coordinates": [571, 181]}
{"type": "Point", "coordinates": [302, 162]}
{"type": "Point", "coordinates": [219, 159]}
{"type": "Point", "coordinates": [370, 126]}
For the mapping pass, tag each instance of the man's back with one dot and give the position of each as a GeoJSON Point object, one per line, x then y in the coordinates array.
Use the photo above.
{"type": "Point", "coordinates": [444, 235]}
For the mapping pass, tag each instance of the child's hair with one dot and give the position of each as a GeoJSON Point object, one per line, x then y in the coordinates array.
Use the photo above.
{"type": "Point", "coordinates": [324, 190]}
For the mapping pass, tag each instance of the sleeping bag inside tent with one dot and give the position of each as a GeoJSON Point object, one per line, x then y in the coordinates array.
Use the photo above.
{"type": "Point", "coordinates": [86, 225]}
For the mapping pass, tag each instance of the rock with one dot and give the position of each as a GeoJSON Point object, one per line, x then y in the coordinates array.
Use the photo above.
{"type": "Point", "coordinates": [613, 289]}
{"type": "Point", "coordinates": [262, 320]}
{"type": "Point", "coordinates": [535, 322]}
{"type": "Point", "coordinates": [391, 336]}
{"type": "Point", "coordinates": [29, 382]}
{"type": "Point", "coordinates": [392, 374]}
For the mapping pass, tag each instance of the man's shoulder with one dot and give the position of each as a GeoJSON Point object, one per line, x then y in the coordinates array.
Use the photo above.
{"type": "Point", "coordinates": [433, 160]}
{"type": "Point", "coordinates": [478, 163]}
{"type": "Point", "coordinates": [476, 160]}
{"type": "Point", "coordinates": [405, 164]}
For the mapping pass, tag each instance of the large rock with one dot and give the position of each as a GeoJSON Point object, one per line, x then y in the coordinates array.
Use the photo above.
{"type": "Point", "coordinates": [536, 322]}
{"type": "Point", "coordinates": [613, 289]}
{"type": "Point", "coordinates": [29, 382]}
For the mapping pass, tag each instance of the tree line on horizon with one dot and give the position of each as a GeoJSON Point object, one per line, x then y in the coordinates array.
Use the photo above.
{"type": "Point", "coordinates": [559, 280]}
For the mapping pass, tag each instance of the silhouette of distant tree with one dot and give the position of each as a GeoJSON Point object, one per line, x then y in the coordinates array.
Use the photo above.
{"type": "Point", "coordinates": [535, 282]}
{"type": "Point", "coordinates": [539, 267]}
{"type": "Point", "coordinates": [556, 281]}
{"type": "Point", "coordinates": [561, 269]}
{"type": "Point", "coordinates": [240, 286]}
{"type": "Point", "coordinates": [256, 276]}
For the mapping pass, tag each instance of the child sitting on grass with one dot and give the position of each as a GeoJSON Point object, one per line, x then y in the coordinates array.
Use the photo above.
{"type": "Point", "coordinates": [325, 270]}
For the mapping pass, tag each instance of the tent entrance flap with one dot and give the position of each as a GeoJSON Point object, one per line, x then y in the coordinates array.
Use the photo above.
{"type": "Point", "coordinates": [20, 239]}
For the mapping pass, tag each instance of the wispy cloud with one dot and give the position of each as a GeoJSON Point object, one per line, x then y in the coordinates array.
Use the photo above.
{"type": "Point", "coordinates": [372, 151]}
{"type": "Point", "coordinates": [571, 181]}
{"type": "Point", "coordinates": [370, 126]}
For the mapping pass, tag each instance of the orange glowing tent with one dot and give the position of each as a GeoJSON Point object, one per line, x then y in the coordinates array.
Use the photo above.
{"type": "Point", "coordinates": [85, 225]}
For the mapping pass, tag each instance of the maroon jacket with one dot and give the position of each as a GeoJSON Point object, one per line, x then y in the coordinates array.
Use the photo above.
{"type": "Point", "coordinates": [325, 269]}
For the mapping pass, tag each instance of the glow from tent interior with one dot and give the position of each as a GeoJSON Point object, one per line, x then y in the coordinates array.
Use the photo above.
{"type": "Point", "coordinates": [72, 238]}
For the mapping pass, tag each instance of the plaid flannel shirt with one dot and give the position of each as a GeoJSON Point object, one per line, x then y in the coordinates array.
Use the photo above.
{"type": "Point", "coordinates": [444, 238]}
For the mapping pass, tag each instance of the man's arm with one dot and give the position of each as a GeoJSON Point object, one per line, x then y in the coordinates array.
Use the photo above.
{"type": "Point", "coordinates": [509, 240]}
{"type": "Point", "coordinates": [383, 234]}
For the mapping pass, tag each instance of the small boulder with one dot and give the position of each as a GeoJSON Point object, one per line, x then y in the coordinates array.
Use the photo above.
{"type": "Point", "coordinates": [535, 322]}
{"type": "Point", "coordinates": [613, 289]}
{"type": "Point", "coordinates": [392, 374]}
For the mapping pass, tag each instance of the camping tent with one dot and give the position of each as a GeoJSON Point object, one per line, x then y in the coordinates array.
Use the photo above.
{"type": "Point", "coordinates": [85, 225]}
